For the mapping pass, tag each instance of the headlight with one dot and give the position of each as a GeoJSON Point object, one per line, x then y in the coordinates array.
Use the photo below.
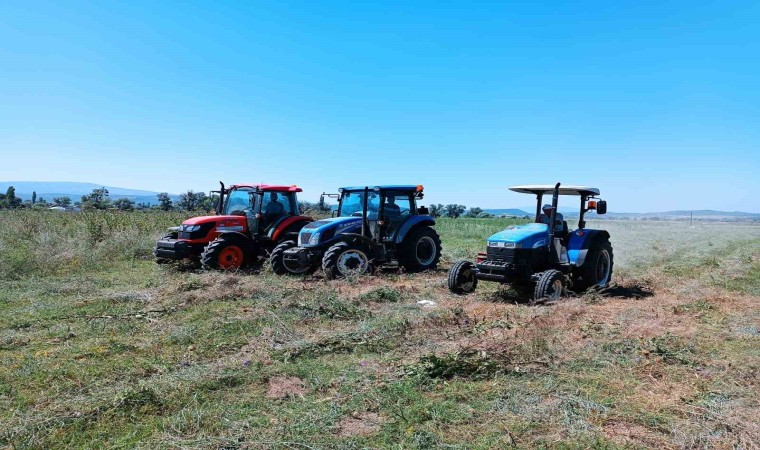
{"type": "Point", "coordinates": [314, 240]}
{"type": "Point", "coordinates": [504, 244]}
{"type": "Point", "coordinates": [191, 228]}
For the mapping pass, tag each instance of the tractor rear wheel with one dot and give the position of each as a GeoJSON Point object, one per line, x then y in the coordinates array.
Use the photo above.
{"type": "Point", "coordinates": [344, 259]}
{"type": "Point", "coordinates": [462, 278]}
{"type": "Point", "coordinates": [421, 250]}
{"type": "Point", "coordinates": [224, 253]}
{"type": "Point", "coordinates": [281, 267]}
{"type": "Point", "coordinates": [597, 267]}
{"type": "Point", "coordinates": [550, 286]}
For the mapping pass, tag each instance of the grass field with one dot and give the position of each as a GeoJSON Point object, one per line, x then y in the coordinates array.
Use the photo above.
{"type": "Point", "coordinates": [100, 347]}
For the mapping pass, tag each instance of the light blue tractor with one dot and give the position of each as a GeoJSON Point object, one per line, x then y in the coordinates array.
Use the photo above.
{"type": "Point", "coordinates": [373, 226]}
{"type": "Point", "coordinates": [542, 260]}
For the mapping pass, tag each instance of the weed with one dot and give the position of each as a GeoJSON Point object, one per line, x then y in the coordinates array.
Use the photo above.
{"type": "Point", "coordinates": [381, 294]}
{"type": "Point", "coordinates": [468, 363]}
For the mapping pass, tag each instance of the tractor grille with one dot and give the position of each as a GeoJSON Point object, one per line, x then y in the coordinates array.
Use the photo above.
{"type": "Point", "coordinates": [520, 256]}
{"type": "Point", "coordinates": [502, 254]}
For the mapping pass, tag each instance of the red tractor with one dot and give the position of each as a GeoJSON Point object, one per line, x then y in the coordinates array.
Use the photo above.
{"type": "Point", "coordinates": [250, 221]}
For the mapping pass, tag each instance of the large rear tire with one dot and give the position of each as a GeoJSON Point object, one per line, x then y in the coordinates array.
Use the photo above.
{"type": "Point", "coordinates": [224, 253]}
{"type": "Point", "coordinates": [597, 267]}
{"type": "Point", "coordinates": [421, 250]}
{"type": "Point", "coordinates": [550, 286]}
{"type": "Point", "coordinates": [344, 259]}
{"type": "Point", "coordinates": [462, 278]}
{"type": "Point", "coordinates": [280, 267]}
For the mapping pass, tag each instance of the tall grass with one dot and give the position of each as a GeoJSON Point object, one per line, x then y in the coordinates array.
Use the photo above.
{"type": "Point", "coordinates": [56, 243]}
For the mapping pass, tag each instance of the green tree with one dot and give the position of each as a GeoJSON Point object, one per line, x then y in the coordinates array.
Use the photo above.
{"type": "Point", "coordinates": [436, 210]}
{"type": "Point", "coordinates": [474, 212]}
{"type": "Point", "coordinates": [97, 199]}
{"type": "Point", "coordinates": [34, 197]}
{"type": "Point", "coordinates": [64, 201]}
{"type": "Point", "coordinates": [454, 211]}
{"type": "Point", "coordinates": [124, 204]}
{"type": "Point", "coordinates": [165, 202]}
{"type": "Point", "coordinates": [191, 201]}
{"type": "Point", "coordinates": [209, 202]}
{"type": "Point", "coordinates": [10, 200]}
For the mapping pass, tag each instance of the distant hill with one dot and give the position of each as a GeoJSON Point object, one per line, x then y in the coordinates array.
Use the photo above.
{"type": "Point", "coordinates": [50, 189]}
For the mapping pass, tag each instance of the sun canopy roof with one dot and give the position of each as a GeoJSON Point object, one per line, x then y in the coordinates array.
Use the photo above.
{"type": "Point", "coordinates": [386, 187]}
{"type": "Point", "coordinates": [549, 189]}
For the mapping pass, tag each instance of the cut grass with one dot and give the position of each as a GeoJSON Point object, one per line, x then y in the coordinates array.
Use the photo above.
{"type": "Point", "coordinates": [107, 349]}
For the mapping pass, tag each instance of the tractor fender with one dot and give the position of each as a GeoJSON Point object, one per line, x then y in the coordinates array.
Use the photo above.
{"type": "Point", "coordinates": [579, 245]}
{"type": "Point", "coordinates": [410, 223]}
{"type": "Point", "coordinates": [288, 225]}
{"type": "Point", "coordinates": [243, 240]}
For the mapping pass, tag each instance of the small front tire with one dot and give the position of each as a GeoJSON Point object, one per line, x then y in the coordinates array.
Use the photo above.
{"type": "Point", "coordinates": [462, 279]}
{"type": "Point", "coordinates": [281, 267]}
{"type": "Point", "coordinates": [550, 286]}
{"type": "Point", "coordinates": [344, 259]}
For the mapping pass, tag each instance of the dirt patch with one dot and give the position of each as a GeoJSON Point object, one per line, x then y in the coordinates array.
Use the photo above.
{"type": "Point", "coordinates": [286, 387]}
{"type": "Point", "coordinates": [630, 433]}
{"type": "Point", "coordinates": [360, 424]}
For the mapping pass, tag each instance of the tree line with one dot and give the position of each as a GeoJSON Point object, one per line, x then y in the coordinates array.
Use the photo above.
{"type": "Point", "coordinates": [99, 199]}
{"type": "Point", "coordinates": [455, 211]}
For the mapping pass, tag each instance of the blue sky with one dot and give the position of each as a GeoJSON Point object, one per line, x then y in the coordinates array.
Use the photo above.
{"type": "Point", "coordinates": [657, 103]}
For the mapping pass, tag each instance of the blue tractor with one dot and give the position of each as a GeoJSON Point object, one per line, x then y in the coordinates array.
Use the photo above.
{"type": "Point", "coordinates": [372, 227]}
{"type": "Point", "coordinates": [542, 260]}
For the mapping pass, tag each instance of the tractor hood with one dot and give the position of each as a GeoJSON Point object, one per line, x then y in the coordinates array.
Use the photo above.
{"type": "Point", "coordinates": [325, 230]}
{"type": "Point", "coordinates": [522, 236]}
{"type": "Point", "coordinates": [222, 223]}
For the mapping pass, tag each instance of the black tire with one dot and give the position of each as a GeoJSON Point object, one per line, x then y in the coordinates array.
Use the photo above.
{"type": "Point", "coordinates": [550, 286]}
{"type": "Point", "coordinates": [597, 267]}
{"type": "Point", "coordinates": [170, 235]}
{"type": "Point", "coordinates": [277, 261]}
{"type": "Point", "coordinates": [219, 251]}
{"type": "Point", "coordinates": [333, 260]}
{"type": "Point", "coordinates": [421, 250]}
{"type": "Point", "coordinates": [462, 278]}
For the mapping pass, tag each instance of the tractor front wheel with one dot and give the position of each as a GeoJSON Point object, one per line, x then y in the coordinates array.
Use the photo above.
{"type": "Point", "coordinates": [462, 278]}
{"type": "Point", "coordinates": [421, 250]}
{"type": "Point", "coordinates": [223, 253]}
{"type": "Point", "coordinates": [282, 267]}
{"type": "Point", "coordinates": [550, 286]}
{"type": "Point", "coordinates": [344, 260]}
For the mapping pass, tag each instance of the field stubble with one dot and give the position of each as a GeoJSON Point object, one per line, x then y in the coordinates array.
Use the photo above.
{"type": "Point", "coordinates": [100, 347]}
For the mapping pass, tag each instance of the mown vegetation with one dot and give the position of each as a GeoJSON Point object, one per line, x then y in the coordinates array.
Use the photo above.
{"type": "Point", "coordinates": [99, 347]}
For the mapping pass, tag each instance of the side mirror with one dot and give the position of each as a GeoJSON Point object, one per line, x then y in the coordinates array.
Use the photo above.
{"type": "Point", "coordinates": [601, 207]}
